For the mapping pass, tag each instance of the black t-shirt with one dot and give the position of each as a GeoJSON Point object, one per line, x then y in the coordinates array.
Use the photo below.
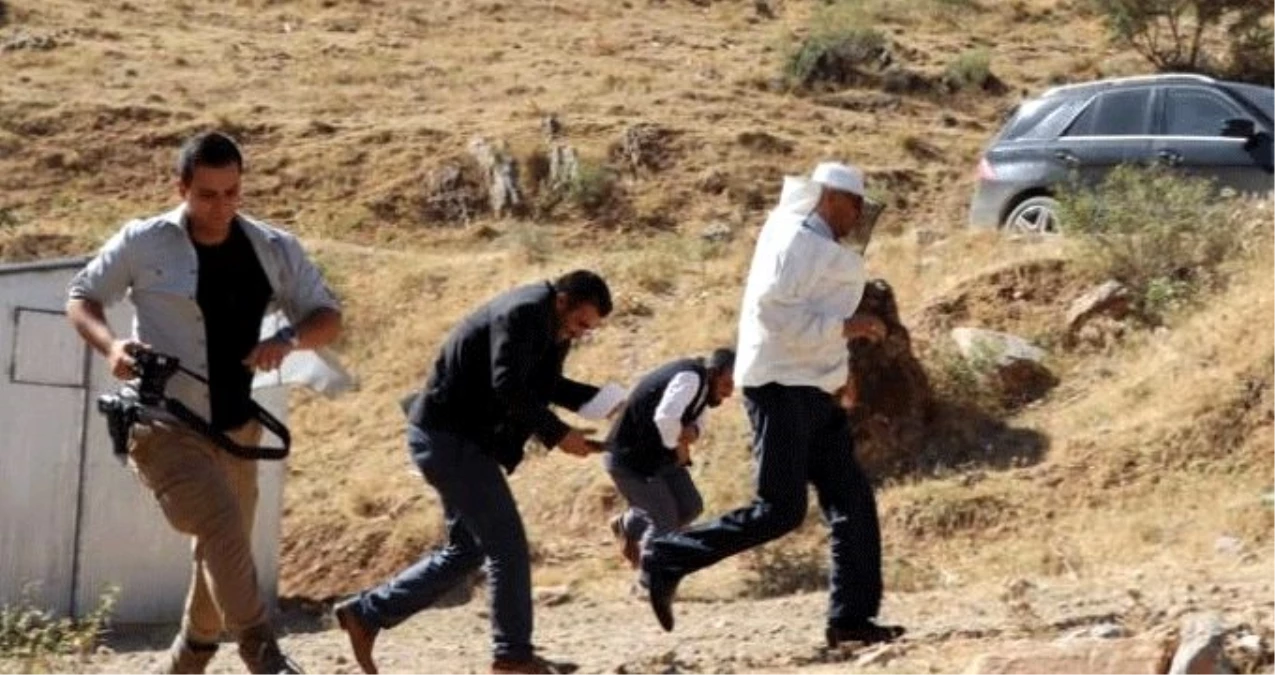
{"type": "Point", "coordinates": [233, 293]}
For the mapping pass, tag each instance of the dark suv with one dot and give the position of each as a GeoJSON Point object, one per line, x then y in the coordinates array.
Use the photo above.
{"type": "Point", "coordinates": [1204, 127]}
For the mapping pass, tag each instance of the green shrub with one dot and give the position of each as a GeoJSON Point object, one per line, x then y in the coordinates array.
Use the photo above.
{"type": "Point", "coordinates": [35, 637]}
{"type": "Point", "coordinates": [1164, 236]}
{"type": "Point", "coordinates": [593, 188]}
{"type": "Point", "coordinates": [840, 43]}
{"type": "Point", "coordinates": [1172, 34]}
{"type": "Point", "coordinates": [972, 69]}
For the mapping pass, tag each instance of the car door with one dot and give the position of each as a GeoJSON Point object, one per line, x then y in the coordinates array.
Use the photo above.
{"type": "Point", "coordinates": [1190, 138]}
{"type": "Point", "coordinates": [1114, 129]}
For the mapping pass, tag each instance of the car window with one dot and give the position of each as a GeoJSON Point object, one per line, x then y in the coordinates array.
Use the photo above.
{"type": "Point", "coordinates": [1261, 98]}
{"type": "Point", "coordinates": [1025, 118]}
{"type": "Point", "coordinates": [1053, 123]}
{"type": "Point", "coordinates": [1115, 113]}
{"type": "Point", "coordinates": [1196, 112]}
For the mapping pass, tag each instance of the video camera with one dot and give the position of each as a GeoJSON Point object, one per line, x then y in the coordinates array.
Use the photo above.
{"type": "Point", "coordinates": [124, 408]}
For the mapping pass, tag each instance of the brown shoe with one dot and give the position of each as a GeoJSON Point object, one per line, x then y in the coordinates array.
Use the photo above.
{"type": "Point", "coordinates": [260, 651]}
{"type": "Point", "coordinates": [630, 548]}
{"type": "Point", "coordinates": [188, 657]}
{"type": "Point", "coordinates": [362, 636]}
{"type": "Point", "coordinates": [532, 666]}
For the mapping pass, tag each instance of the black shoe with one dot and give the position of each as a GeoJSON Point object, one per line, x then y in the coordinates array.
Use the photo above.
{"type": "Point", "coordinates": [660, 589]}
{"type": "Point", "coordinates": [864, 632]}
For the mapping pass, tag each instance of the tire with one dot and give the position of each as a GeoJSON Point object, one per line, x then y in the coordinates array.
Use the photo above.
{"type": "Point", "coordinates": [1036, 215]}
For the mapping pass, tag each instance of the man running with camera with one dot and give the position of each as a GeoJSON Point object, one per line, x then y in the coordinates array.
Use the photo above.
{"type": "Point", "coordinates": [201, 278]}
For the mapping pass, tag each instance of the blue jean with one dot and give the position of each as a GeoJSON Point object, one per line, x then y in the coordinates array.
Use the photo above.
{"type": "Point", "coordinates": [658, 504]}
{"type": "Point", "coordinates": [800, 436]}
{"type": "Point", "coordinates": [483, 524]}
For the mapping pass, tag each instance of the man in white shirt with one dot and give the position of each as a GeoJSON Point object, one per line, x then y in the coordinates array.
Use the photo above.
{"type": "Point", "coordinates": [648, 449]}
{"type": "Point", "coordinates": [804, 285]}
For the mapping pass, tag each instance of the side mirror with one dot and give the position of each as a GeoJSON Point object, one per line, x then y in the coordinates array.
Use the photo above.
{"type": "Point", "coordinates": [1239, 128]}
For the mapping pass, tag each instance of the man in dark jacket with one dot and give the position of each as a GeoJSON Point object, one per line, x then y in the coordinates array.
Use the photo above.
{"type": "Point", "coordinates": [648, 450]}
{"type": "Point", "coordinates": [489, 391]}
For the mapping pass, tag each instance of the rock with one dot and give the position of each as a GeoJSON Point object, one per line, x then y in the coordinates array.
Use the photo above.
{"type": "Point", "coordinates": [1111, 299]}
{"type": "Point", "coordinates": [551, 127]}
{"type": "Point", "coordinates": [764, 8]}
{"type": "Point", "coordinates": [1102, 631]}
{"type": "Point", "coordinates": [1130, 655]}
{"type": "Point", "coordinates": [717, 232]}
{"type": "Point", "coordinates": [1249, 643]}
{"type": "Point", "coordinates": [899, 80]}
{"type": "Point", "coordinates": [877, 656]}
{"type": "Point", "coordinates": [564, 166]}
{"type": "Point", "coordinates": [645, 146]}
{"type": "Point", "coordinates": [713, 181]}
{"type": "Point", "coordinates": [761, 141]}
{"type": "Point", "coordinates": [552, 596]}
{"type": "Point", "coordinates": [1200, 646]}
{"type": "Point", "coordinates": [502, 176]}
{"type": "Point", "coordinates": [1228, 545]}
{"type": "Point", "coordinates": [1017, 362]}
{"type": "Point", "coordinates": [40, 43]}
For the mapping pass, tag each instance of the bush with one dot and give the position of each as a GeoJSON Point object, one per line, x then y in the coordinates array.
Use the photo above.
{"type": "Point", "coordinates": [35, 637]}
{"type": "Point", "coordinates": [784, 569]}
{"type": "Point", "coordinates": [1252, 51]}
{"type": "Point", "coordinates": [839, 44]}
{"type": "Point", "coordinates": [1171, 34]}
{"type": "Point", "coordinates": [1163, 236]}
{"type": "Point", "coordinates": [967, 382]}
{"type": "Point", "coordinates": [972, 69]}
{"type": "Point", "coordinates": [593, 188]}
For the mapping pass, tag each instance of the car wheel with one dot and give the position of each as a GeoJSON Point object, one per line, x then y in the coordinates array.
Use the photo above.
{"type": "Point", "coordinates": [1037, 215]}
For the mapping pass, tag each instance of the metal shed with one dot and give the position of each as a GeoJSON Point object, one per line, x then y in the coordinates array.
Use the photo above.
{"type": "Point", "coordinates": [73, 518]}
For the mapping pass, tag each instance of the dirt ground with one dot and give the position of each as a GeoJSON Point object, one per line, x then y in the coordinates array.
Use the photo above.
{"type": "Point", "coordinates": [948, 628]}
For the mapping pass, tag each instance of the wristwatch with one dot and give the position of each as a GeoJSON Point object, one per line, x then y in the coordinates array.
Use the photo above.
{"type": "Point", "coordinates": [289, 334]}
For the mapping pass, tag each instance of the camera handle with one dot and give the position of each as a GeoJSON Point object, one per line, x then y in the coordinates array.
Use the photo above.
{"type": "Point", "coordinates": [270, 422]}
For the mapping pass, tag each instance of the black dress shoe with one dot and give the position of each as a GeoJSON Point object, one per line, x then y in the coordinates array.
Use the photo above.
{"type": "Point", "coordinates": [865, 632]}
{"type": "Point", "coordinates": [660, 590]}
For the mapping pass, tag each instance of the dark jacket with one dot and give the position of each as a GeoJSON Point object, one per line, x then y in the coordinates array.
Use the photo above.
{"type": "Point", "coordinates": [634, 441]}
{"type": "Point", "coordinates": [498, 372]}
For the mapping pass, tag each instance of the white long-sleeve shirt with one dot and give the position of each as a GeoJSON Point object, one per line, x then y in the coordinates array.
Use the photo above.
{"type": "Point", "coordinates": [677, 397]}
{"type": "Point", "coordinates": [801, 288]}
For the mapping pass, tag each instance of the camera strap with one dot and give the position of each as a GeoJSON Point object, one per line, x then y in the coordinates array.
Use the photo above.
{"type": "Point", "coordinates": [270, 422]}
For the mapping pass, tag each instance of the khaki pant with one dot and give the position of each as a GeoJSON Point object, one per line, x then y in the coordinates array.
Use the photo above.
{"type": "Point", "coordinates": [211, 495]}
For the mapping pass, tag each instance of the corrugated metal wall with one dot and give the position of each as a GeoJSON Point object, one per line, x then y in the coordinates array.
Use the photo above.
{"type": "Point", "coordinates": [72, 518]}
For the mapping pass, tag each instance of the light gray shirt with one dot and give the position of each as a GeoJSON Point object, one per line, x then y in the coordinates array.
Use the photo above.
{"type": "Point", "coordinates": [153, 261]}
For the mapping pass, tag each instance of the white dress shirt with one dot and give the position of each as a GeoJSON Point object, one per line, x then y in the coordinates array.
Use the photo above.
{"type": "Point", "coordinates": [678, 396]}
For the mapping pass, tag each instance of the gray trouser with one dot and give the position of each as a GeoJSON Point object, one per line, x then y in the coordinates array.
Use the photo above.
{"type": "Point", "coordinates": [483, 524]}
{"type": "Point", "coordinates": [658, 504]}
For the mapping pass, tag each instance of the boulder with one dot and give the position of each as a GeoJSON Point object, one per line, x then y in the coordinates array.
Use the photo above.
{"type": "Point", "coordinates": [1200, 646]}
{"type": "Point", "coordinates": [1128, 655]}
{"type": "Point", "coordinates": [1016, 362]}
{"type": "Point", "coordinates": [501, 173]}
{"type": "Point", "coordinates": [1110, 299]}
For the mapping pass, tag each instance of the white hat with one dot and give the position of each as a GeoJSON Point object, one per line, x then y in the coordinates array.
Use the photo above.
{"type": "Point", "coordinates": [840, 177]}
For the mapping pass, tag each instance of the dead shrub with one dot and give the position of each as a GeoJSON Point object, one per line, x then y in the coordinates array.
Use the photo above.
{"type": "Point", "coordinates": [786, 567]}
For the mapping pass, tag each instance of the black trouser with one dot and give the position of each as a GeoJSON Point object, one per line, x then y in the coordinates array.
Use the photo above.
{"type": "Point", "coordinates": [800, 435]}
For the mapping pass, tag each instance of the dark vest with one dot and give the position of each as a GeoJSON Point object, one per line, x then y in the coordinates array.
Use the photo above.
{"type": "Point", "coordinates": [635, 441]}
